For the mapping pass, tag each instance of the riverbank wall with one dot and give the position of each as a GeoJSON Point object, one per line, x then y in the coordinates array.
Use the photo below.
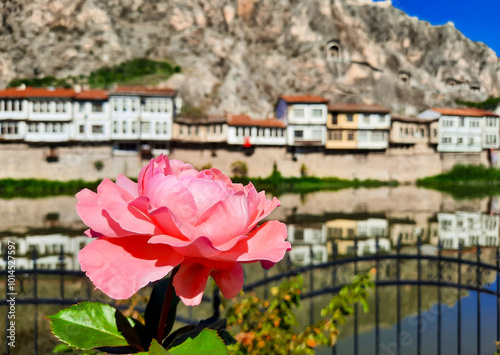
{"type": "Point", "coordinates": [99, 161]}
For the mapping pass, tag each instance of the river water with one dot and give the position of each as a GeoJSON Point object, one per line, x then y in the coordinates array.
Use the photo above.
{"type": "Point", "coordinates": [425, 314]}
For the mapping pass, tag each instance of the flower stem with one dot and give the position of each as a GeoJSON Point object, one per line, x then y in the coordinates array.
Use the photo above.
{"type": "Point", "coordinates": [166, 306]}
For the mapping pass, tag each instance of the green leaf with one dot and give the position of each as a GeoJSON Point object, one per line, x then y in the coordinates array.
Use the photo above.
{"type": "Point", "coordinates": [207, 342]}
{"type": "Point", "coordinates": [157, 349]}
{"type": "Point", "coordinates": [89, 325]}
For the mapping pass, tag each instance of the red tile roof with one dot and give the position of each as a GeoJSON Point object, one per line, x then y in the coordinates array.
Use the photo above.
{"type": "Point", "coordinates": [358, 108]}
{"type": "Point", "coordinates": [305, 99]}
{"type": "Point", "coordinates": [245, 120]}
{"type": "Point", "coordinates": [92, 95]}
{"type": "Point", "coordinates": [37, 92]}
{"type": "Point", "coordinates": [469, 111]}
{"type": "Point", "coordinates": [141, 90]}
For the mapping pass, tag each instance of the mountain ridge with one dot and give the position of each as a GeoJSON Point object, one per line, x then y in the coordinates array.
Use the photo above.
{"type": "Point", "coordinates": [238, 56]}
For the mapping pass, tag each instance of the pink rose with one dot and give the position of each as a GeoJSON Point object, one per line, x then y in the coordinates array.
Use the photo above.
{"type": "Point", "coordinates": [176, 215]}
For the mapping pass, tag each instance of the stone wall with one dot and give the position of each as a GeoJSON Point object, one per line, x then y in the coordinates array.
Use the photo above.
{"type": "Point", "coordinates": [78, 162]}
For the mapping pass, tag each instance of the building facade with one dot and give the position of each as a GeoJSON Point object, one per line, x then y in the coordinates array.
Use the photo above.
{"type": "Point", "coordinates": [464, 129]}
{"type": "Point", "coordinates": [358, 126]}
{"type": "Point", "coordinates": [305, 118]}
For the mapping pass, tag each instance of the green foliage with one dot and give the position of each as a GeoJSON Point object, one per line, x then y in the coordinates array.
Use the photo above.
{"type": "Point", "coordinates": [490, 103]}
{"type": "Point", "coordinates": [239, 168]}
{"type": "Point", "coordinates": [89, 325]}
{"type": "Point", "coordinates": [465, 181]}
{"type": "Point", "coordinates": [98, 165]}
{"type": "Point", "coordinates": [93, 325]}
{"type": "Point", "coordinates": [207, 342]}
{"type": "Point", "coordinates": [269, 326]}
{"type": "Point", "coordinates": [128, 71]}
{"type": "Point", "coordinates": [40, 187]}
{"type": "Point", "coordinates": [189, 111]}
{"type": "Point", "coordinates": [124, 72]}
{"type": "Point", "coordinates": [303, 170]}
{"type": "Point", "coordinates": [278, 184]}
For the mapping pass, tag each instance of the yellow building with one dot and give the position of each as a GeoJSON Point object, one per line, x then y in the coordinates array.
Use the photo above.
{"type": "Point", "coordinates": [358, 126]}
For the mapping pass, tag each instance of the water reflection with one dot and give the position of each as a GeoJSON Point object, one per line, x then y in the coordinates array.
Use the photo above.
{"type": "Point", "coordinates": [323, 227]}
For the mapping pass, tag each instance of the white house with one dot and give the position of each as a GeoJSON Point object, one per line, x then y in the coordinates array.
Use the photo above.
{"type": "Point", "coordinates": [468, 228]}
{"type": "Point", "coordinates": [464, 129]}
{"type": "Point", "coordinates": [36, 114]}
{"type": "Point", "coordinates": [242, 130]}
{"type": "Point", "coordinates": [140, 114]}
{"type": "Point", "coordinates": [91, 116]}
{"type": "Point", "coordinates": [305, 117]}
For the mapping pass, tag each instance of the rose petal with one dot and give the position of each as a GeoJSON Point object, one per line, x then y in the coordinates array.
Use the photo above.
{"type": "Point", "coordinates": [93, 216]}
{"type": "Point", "coordinates": [121, 266]}
{"type": "Point", "coordinates": [167, 191]}
{"type": "Point", "coordinates": [190, 282]}
{"type": "Point", "coordinates": [230, 281]}
{"type": "Point", "coordinates": [206, 192]}
{"type": "Point", "coordinates": [266, 243]}
{"type": "Point", "coordinates": [128, 185]}
{"type": "Point", "coordinates": [226, 219]}
{"type": "Point", "coordinates": [115, 201]}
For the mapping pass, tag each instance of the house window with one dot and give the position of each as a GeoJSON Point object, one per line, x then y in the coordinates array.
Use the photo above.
{"type": "Point", "coordinates": [317, 134]}
{"type": "Point", "coordinates": [124, 105]}
{"type": "Point", "coordinates": [460, 140]}
{"type": "Point", "coordinates": [81, 107]}
{"type": "Point", "coordinates": [299, 113]}
{"type": "Point", "coordinates": [146, 127]}
{"type": "Point", "coordinates": [350, 136]}
{"type": "Point", "coordinates": [44, 108]}
{"type": "Point", "coordinates": [350, 118]}
{"type": "Point", "coordinates": [422, 132]}
{"type": "Point", "coordinates": [446, 140]}
{"type": "Point", "coordinates": [36, 106]}
{"type": "Point", "coordinates": [81, 129]}
{"type": "Point", "coordinates": [124, 127]}
{"type": "Point", "coordinates": [474, 123]}
{"type": "Point", "coordinates": [435, 132]}
{"type": "Point", "coordinates": [381, 119]}
{"type": "Point", "coordinates": [491, 139]}
{"type": "Point", "coordinates": [362, 137]}
{"type": "Point", "coordinates": [335, 119]}
{"type": "Point", "coordinates": [32, 128]}
{"type": "Point", "coordinates": [189, 130]}
{"type": "Point", "coordinates": [97, 129]}
{"type": "Point", "coordinates": [298, 133]}
{"type": "Point", "coordinates": [115, 105]}
{"type": "Point", "coordinates": [158, 128]}
{"type": "Point", "coordinates": [366, 119]}
{"type": "Point", "coordinates": [378, 136]}
{"type": "Point", "coordinates": [197, 130]}
{"type": "Point", "coordinates": [97, 107]}
{"type": "Point", "coordinates": [317, 113]}
{"type": "Point", "coordinates": [471, 141]}
{"type": "Point", "coordinates": [461, 122]}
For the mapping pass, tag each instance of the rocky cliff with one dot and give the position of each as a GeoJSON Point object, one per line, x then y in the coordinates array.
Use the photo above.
{"type": "Point", "coordinates": [239, 55]}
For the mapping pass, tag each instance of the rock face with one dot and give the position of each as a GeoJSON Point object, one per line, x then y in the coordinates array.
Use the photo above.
{"type": "Point", "coordinates": [240, 55]}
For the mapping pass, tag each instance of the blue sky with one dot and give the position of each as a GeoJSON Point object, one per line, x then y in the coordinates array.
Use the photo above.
{"type": "Point", "coordinates": [479, 20]}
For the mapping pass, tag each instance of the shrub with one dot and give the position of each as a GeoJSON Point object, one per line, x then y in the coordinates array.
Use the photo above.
{"type": "Point", "coordinates": [239, 168]}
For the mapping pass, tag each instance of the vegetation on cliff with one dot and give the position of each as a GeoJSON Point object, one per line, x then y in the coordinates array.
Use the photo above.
{"type": "Point", "coordinates": [489, 104]}
{"type": "Point", "coordinates": [139, 71]}
{"type": "Point", "coordinates": [465, 181]}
